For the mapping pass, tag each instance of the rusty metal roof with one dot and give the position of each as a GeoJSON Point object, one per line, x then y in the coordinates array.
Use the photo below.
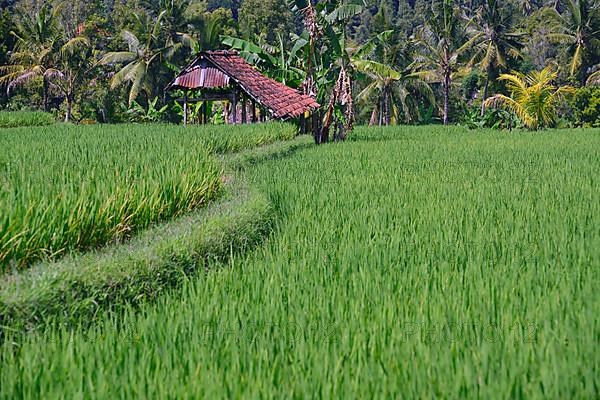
{"type": "Point", "coordinates": [198, 77]}
{"type": "Point", "coordinates": [215, 69]}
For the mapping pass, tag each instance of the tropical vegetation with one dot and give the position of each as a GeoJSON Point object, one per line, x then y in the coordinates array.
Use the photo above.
{"type": "Point", "coordinates": [446, 246]}
{"type": "Point", "coordinates": [533, 97]}
{"type": "Point", "coordinates": [366, 61]}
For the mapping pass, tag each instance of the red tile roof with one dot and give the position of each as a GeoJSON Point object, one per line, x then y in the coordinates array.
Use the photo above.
{"type": "Point", "coordinates": [215, 69]}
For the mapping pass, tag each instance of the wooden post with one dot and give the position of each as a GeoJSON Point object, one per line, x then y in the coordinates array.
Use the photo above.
{"type": "Point", "coordinates": [185, 108]}
{"type": "Point", "coordinates": [206, 112]}
{"type": "Point", "coordinates": [302, 124]}
{"type": "Point", "coordinates": [244, 110]}
{"type": "Point", "coordinates": [234, 107]}
{"type": "Point", "coordinates": [253, 111]}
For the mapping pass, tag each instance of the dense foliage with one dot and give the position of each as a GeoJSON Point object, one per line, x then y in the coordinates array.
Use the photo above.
{"type": "Point", "coordinates": [445, 264]}
{"type": "Point", "coordinates": [376, 61]}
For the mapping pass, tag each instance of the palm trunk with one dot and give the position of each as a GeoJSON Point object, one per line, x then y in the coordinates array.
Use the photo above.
{"type": "Point", "coordinates": [381, 107]}
{"type": "Point", "coordinates": [45, 89]}
{"type": "Point", "coordinates": [388, 118]}
{"type": "Point", "coordinates": [485, 90]}
{"type": "Point", "coordinates": [69, 108]}
{"type": "Point", "coordinates": [374, 114]}
{"type": "Point", "coordinates": [446, 96]}
{"type": "Point", "coordinates": [583, 73]}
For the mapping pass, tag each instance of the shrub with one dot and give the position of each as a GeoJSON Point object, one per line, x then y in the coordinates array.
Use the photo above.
{"type": "Point", "coordinates": [586, 107]}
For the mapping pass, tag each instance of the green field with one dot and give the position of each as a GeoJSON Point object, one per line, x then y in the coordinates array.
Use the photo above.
{"type": "Point", "coordinates": [414, 262]}
{"type": "Point", "coordinates": [73, 188]}
{"type": "Point", "coordinates": [13, 119]}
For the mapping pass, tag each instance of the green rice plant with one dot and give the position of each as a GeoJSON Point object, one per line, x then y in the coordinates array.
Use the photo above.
{"type": "Point", "coordinates": [411, 262]}
{"type": "Point", "coordinates": [13, 119]}
{"type": "Point", "coordinates": [73, 290]}
{"type": "Point", "coordinates": [70, 188]}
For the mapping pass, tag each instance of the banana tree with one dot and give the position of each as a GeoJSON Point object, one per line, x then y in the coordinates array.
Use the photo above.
{"type": "Point", "coordinates": [328, 63]}
{"type": "Point", "coordinates": [276, 62]}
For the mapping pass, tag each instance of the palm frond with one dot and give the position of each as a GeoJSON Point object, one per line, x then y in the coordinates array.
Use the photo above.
{"type": "Point", "coordinates": [118, 57]}
{"type": "Point", "coordinates": [376, 68]}
{"type": "Point", "coordinates": [137, 76]}
{"type": "Point", "coordinates": [132, 41]}
{"type": "Point", "coordinates": [594, 79]}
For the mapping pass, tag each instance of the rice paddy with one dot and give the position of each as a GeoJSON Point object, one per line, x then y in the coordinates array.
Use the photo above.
{"type": "Point", "coordinates": [74, 188]}
{"type": "Point", "coordinates": [410, 262]}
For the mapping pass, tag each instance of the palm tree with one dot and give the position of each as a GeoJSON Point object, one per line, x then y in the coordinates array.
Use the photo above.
{"type": "Point", "coordinates": [533, 97]}
{"type": "Point", "coordinates": [388, 85]}
{"type": "Point", "coordinates": [440, 43]}
{"type": "Point", "coordinates": [178, 19]}
{"type": "Point", "coordinates": [492, 41]}
{"type": "Point", "coordinates": [74, 64]}
{"type": "Point", "coordinates": [209, 28]}
{"type": "Point", "coordinates": [141, 59]}
{"type": "Point", "coordinates": [392, 87]}
{"type": "Point", "coordinates": [36, 44]}
{"type": "Point", "coordinates": [579, 27]}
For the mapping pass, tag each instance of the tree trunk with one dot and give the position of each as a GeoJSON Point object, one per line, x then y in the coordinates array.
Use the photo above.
{"type": "Point", "coordinates": [69, 108]}
{"type": "Point", "coordinates": [374, 115]}
{"type": "Point", "coordinates": [388, 118]}
{"type": "Point", "coordinates": [485, 90]}
{"type": "Point", "coordinates": [381, 106]}
{"type": "Point", "coordinates": [446, 96]}
{"type": "Point", "coordinates": [583, 74]}
{"type": "Point", "coordinates": [45, 89]}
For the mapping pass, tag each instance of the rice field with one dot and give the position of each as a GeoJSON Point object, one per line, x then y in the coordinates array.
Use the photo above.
{"type": "Point", "coordinates": [410, 262]}
{"type": "Point", "coordinates": [12, 119]}
{"type": "Point", "coordinates": [65, 188]}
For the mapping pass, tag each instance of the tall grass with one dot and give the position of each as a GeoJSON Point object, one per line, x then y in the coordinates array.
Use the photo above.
{"type": "Point", "coordinates": [73, 188]}
{"type": "Point", "coordinates": [424, 264]}
{"type": "Point", "coordinates": [13, 119]}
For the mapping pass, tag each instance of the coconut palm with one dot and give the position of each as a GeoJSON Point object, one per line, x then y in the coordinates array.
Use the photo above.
{"type": "Point", "coordinates": [492, 41]}
{"type": "Point", "coordinates": [36, 44]}
{"type": "Point", "coordinates": [75, 61]}
{"type": "Point", "coordinates": [533, 98]}
{"type": "Point", "coordinates": [440, 43]}
{"type": "Point", "coordinates": [142, 59]}
{"type": "Point", "coordinates": [178, 19]}
{"type": "Point", "coordinates": [579, 27]}
{"type": "Point", "coordinates": [388, 86]}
